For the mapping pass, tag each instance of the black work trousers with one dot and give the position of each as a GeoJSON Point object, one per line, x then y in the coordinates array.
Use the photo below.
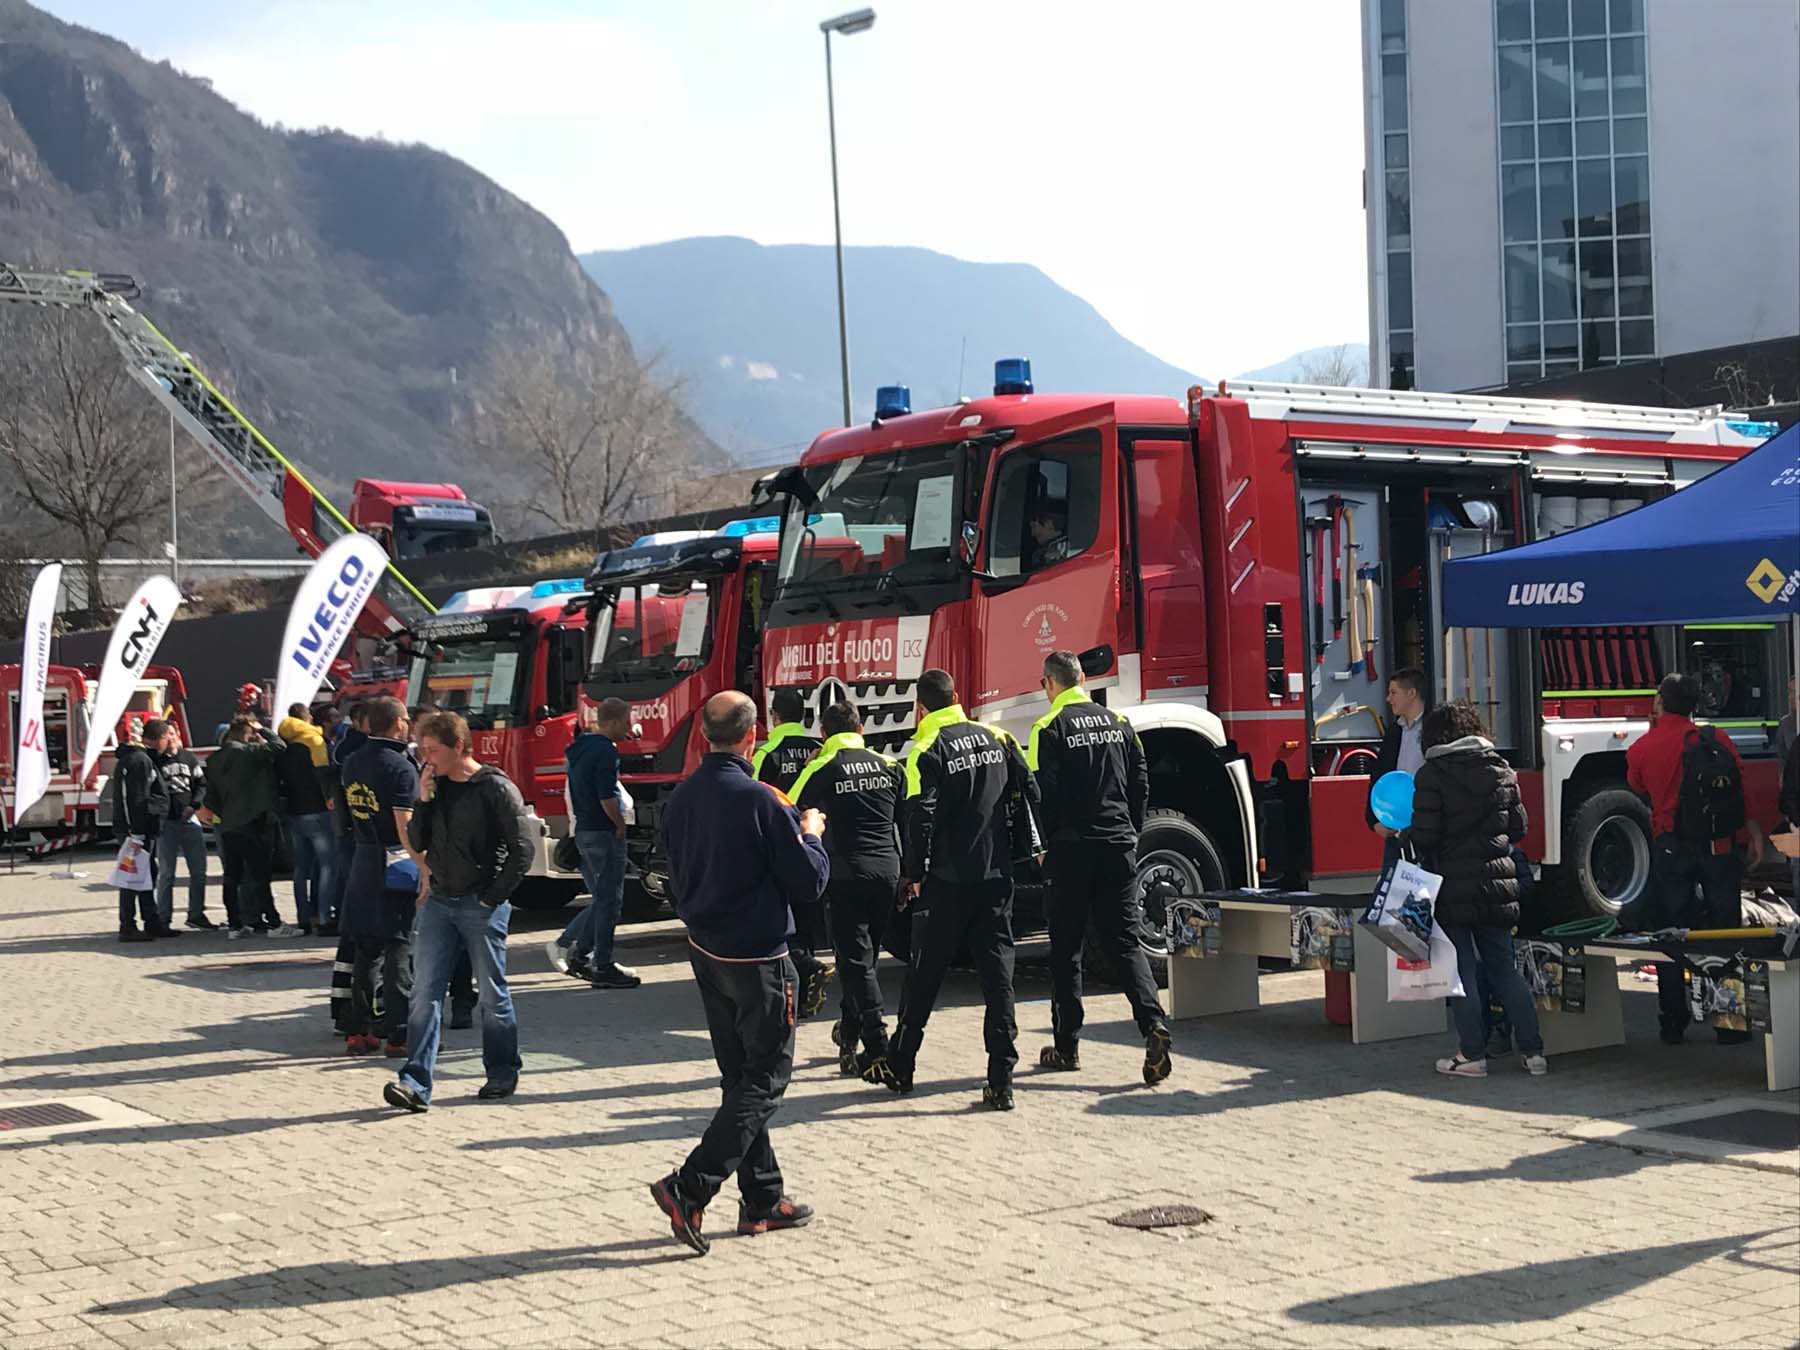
{"type": "Point", "coordinates": [750, 1016]}
{"type": "Point", "coordinates": [859, 914]}
{"type": "Point", "coordinates": [249, 863]}
{"type": "Point", "coordinates": [945, 916]}
{"type": "Point", "coordinates": [1689, 887]}
{"type": "Point", "coordinates": [133, 903]}
{"type": "Point", "coordinates": [1096, 883]}
{"type": "Point", "coordinates": [381, 966]}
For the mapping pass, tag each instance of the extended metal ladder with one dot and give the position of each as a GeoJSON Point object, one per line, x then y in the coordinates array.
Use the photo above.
{"type": "Point", "coordinates": [1479, 412]}
{"type": "Point", "coordinates": [235, 445]}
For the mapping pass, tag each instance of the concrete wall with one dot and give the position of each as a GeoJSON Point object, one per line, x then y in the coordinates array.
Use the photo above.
{"type": "Point", "coordinates": [1724, 84]}
{"type": "Point", "coordinates": [1455, 195]}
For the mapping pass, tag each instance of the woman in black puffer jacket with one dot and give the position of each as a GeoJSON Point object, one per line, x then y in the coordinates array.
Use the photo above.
{"type": "Point", "coordinates": [1466, 818]}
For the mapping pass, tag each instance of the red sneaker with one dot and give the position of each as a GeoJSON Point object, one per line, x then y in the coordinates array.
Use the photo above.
{"type": "Point", "coordinates": [393, 1051]}
{"type": "Point", "coordinates": [784, 1213]}
{"type": "Point", "coordinates": [683, 1215]}
{"type": "Point", "coordinates": [361, 1045]}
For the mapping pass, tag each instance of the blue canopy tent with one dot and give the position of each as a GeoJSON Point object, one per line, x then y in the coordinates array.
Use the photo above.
{"type": "Point", "coordinates": [1725, 549]}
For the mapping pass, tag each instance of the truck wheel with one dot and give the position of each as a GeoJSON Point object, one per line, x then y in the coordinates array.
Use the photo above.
{"type": "Point", "coordinates": [545, 893]}
{"type": "Point", "coordinates": [641, 905]}
{"type": "Point", "coordinates": [1175, 857]}
{"type": "Point", "coordinates": [1606, 854]}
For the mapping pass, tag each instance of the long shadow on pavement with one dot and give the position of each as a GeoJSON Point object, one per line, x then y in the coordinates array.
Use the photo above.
{"type": "Point", "coordinates": [345, 1282]}
{"type": "Point", "coordinates": [1541, 1291]}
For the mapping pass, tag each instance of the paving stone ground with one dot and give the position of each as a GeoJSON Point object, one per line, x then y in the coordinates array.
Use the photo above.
{"type": "Point", "coordinates": [1358, 1198]}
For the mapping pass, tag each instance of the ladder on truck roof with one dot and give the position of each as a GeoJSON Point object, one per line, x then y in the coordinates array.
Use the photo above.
{"type": "Point", "coordinates": [244, 453]}
{"type": "Point", "coordinates": [1487, 413]}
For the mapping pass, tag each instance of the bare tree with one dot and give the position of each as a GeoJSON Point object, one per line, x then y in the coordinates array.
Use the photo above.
{"type": "Point", "coordinates": [601, 433]}
{"type": "Point", "coordinates": [1337, 366]}
{"type": "Point", "coordinates": [82, 443]}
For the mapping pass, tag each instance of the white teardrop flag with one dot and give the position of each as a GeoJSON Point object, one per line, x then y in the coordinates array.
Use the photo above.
{"type": "Point", "coordinates": [326, 605]}
{"type": "Point", "coordinates": [31, 761]}
{"type": "Point", "coordinates": [135, 638]}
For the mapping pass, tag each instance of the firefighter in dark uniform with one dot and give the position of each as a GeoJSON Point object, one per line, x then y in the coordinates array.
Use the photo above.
{"type": "Point", "coordinates": [778, 762]}
{"type": "Point", "coordinates": [857, 790]}
{"type": "Point", "coordinates": [966, 789]}
{"type": "Point", "coordinates": [1095, 789]}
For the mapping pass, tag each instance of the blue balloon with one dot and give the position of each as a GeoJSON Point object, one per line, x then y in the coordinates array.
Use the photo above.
{"type": "Point", "coordinates": [1392, 800]}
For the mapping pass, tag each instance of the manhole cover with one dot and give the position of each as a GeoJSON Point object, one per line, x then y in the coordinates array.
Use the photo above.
{"type": "Point", "coordinates": [1754, 1128]}
{"type": "Point", "coordinates": [36, 1117]}
{"type": "Point", "coordinates": [1162, 1216]}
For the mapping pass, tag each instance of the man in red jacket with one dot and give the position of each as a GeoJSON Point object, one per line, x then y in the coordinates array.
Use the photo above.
{"type": "Point", "coordinates": [1680, 862]}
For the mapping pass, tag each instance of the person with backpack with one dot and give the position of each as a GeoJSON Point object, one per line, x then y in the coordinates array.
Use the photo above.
{"type": "Point", "coordinates": [1694, 781]}
{"type": "Point", "coordinates": [307, 791]}
{"type": "Point", "coordinates": [240, 802]}
{"type": "Point", "coordinates": [779, 762]}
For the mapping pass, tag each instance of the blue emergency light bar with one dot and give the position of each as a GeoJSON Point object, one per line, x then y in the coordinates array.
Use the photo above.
{"type": "Point", "coordinates": [562, 586]}
{"type": "Point", "coordinates": [892, 400]}
{"type": "Point", "coordinates": [1012, 375]}
{"type": "Point", "coordinates": [737, 529]}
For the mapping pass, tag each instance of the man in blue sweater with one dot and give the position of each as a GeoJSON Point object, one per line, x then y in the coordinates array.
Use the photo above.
{"type": "Point", "coordinates": [739, 857]}
{"type": "Point", "coordinates": [585, 948]}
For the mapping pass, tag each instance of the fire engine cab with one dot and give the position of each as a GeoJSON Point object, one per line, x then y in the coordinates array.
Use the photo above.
{"type": "Point", "coordinates": [1239, 571]}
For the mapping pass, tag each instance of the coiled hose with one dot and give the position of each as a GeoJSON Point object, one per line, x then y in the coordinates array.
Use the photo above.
{"type": "Point", "coordinates": [1583, 930]}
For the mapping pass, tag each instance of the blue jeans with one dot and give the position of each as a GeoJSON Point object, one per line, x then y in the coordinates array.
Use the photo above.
{"type": "Point", "coordinates": [187, 840]}
{"type": "Point", "coordinates": [1493, 948]}
{"type": "Point", "coordinates": [447, 923]}
{"type": "Point", "coordinates": [589, 935]}
{"type": "Point", "coordinates": [315, 865]}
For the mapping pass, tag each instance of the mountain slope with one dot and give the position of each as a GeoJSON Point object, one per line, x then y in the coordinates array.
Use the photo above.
{"type": "Point", "coordinates": [754, 329]}
{"type": "Point", "coordinates": [343, 290]}
{"type": "Point", "coordinates": [1309, 366]}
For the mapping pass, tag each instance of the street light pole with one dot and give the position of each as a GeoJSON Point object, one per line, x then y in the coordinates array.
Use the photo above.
{"type": "Point", "coordinates": [857, 21]}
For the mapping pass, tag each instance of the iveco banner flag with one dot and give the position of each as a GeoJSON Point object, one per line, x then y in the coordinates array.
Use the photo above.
{"type": "Point", "coordinates": [31, 763]}
{"type": "Point", "coordinates": [333, 594]}
{"type": "Point", "coordinates": [135, 638]}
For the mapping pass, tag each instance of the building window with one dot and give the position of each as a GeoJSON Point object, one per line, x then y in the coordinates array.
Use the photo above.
{"type": "Point", "coordinates": [1571, 91]}
{"type": "Point", "coordinates": [1396, 197]}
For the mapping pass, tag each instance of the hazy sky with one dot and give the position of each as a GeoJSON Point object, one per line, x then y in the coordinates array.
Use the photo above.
{"type": "Point", "coordinates": [1192, 168]}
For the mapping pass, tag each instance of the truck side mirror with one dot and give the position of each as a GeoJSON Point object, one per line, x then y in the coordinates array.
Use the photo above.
{"type": "Point", "coordinates": [1096, 661]}
{"type": "Point", "coordinates": [969, 546]}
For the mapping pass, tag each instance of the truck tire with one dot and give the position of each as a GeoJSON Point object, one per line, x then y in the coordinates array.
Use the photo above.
{"type": "Point", "coordinates": [1174, 856]}
{"type": "Point", "coordinates": [1606, 855]}
{"type": "Point", "coordinates": [545, 893]}
{"type": "Point", "coordinates": [640, 905]}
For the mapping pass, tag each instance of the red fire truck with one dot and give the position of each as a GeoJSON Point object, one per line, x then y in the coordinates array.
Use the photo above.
{"type": "Point", "coordinates": [419, 520]}
{"type": "Point", "coordinates": [69, 814]}
{"type": "Point", "coordinates": [1238, 572]}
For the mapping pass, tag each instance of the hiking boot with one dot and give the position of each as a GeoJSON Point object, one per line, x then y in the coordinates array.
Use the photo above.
{"type": "Point", "coordinates": [683, 1214]}
{"type": "Point", "coordinates": [879, 1070]}
{"type": "Point", "coordinates": [133, 934]}
{"type": "Point", "coordinates": [1458, 1067]}
{"type": "Point", "coordinates": [996, 1098]}
{"type": "Point", "coordinates": [1059, 1061]}
{"type": "Point", "coordinates": [849, 1063]}
{"type": "Point", "coordinates": [818, 985]}
{"type": "Point", "coordinates": [1157, 1064]}
{"type": "Point", "coordinates": [399, 1094]}
{"type": "Point", "coordinates": [614, 976]}
{"type": "Point", "coordinates": [784, 1213]}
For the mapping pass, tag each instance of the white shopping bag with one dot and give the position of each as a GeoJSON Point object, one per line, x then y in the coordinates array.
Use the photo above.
{"type": "Point", "coordinates": [1399, 913]}
{"type": "Point", "coordinates": [1422, 981]}
{"type": "Point", "coordinates": [627, 807]}
{"type": "Point", "coordinates": [131, 871]}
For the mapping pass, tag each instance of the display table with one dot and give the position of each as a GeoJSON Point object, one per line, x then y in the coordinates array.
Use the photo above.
{"type": "Point", "coordinates": [1601, 1021]}
{"type": "Point", "coordinates": [1261, 923]}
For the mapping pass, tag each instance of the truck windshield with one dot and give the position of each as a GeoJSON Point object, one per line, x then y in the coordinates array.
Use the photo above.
{"type": "Point", "coordinates": [652, 637]}
{"type": "Point", "coordinates": [898, 512]}
{"type": "Point", "coordinates": [418, 539]}
{"type": "Point", "coordinates": [479, 678]}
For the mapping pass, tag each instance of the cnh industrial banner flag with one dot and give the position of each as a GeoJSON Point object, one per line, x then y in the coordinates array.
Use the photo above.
{"type": "Point", "coordinates": [135, 638]}
{"type": "Point", "coordinates": [31, 763]}
{"type": "Point", "coordinates": [326, 605]}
